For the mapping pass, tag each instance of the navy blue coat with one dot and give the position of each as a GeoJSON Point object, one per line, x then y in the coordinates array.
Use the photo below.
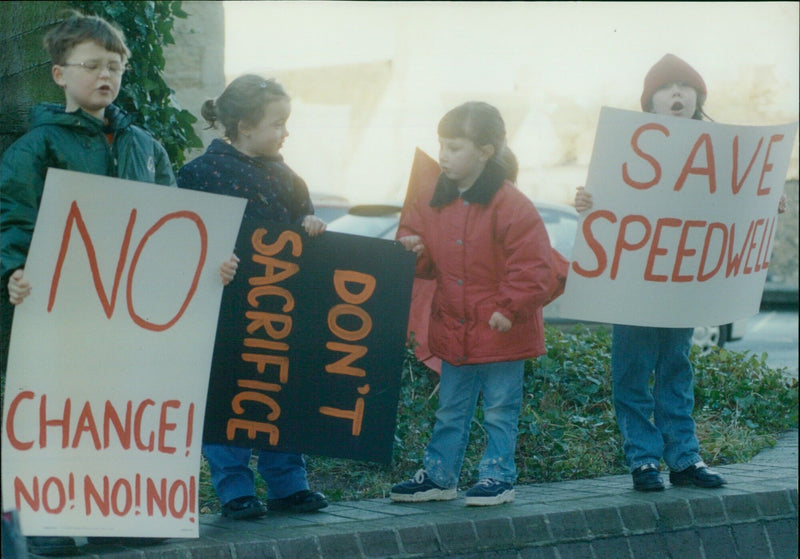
{"type": "Point", "coordinates": [273, 191]}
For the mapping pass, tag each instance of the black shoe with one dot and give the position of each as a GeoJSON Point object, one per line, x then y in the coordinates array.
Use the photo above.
{"type": "Point", "coordinates": [302, 501]}
{"type": "Point", "coordinates": [698, 475]}
{"type": "Point", "coordinates": [489, 492]}
{"type": "Point", "coordinates": [51, 545]}
{"type": "Point", "coordinates": [421, 488]}
{"type": "Point", "coordinates": [647, 478]}
{"type": "Point", "coordinates": [244, 508]}
{"type": "Point", "coordinates": [129, 541]}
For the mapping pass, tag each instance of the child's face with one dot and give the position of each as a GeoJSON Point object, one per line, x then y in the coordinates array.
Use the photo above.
{"type": "Point", "coordinates": [461, 160]}
{"type": "Point", "coordinates": [90, 89]}
{"type": "Point", "coordinates": [266, 138]}
{"type": "Point", "coordinates": [676, 99]}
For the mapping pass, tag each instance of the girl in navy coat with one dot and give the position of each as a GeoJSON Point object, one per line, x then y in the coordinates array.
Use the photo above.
{"type": "Point", "coordinates": [248, 164]}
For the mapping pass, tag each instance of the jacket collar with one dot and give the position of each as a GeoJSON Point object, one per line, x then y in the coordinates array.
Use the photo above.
{"type": "Point", "coordinates": [486, 186]}
{"type": "Point", "coordinates": [54, 113]}
{"type": "Point", "coordinates": [221, 147]}
{"type": "Point", "coordinates": [117, 117]}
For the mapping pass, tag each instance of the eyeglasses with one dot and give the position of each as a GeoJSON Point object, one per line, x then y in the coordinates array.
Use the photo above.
{"type": "Point", "coordinates": [95, 67]}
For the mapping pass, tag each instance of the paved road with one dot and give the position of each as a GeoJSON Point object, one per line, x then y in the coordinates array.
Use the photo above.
{"type": "Point", "coordinates": [774, 332]}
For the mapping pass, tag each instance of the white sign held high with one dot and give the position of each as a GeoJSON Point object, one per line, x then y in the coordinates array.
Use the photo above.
{"type": "Point", "coordinates": [110, 357]}
{"type": "Point", "coordinates": [683, 217]}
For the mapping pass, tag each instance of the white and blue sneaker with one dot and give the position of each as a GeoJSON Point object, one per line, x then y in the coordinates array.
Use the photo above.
{"type": "Point", "coordinates": [421, 488]}
{"type": "Point", "coordinates": [490, 492]}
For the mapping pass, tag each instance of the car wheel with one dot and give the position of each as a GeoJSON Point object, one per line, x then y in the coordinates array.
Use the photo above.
{"type": "Point", "coordinates": [709, 337]}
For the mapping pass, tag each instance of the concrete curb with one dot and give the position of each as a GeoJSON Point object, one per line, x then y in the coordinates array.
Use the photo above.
{"type": "Point", "coordinates": [753, 517]}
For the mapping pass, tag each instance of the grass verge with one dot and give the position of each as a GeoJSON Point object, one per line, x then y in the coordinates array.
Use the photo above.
{"type": "Point", "coordinates": [567, 428]}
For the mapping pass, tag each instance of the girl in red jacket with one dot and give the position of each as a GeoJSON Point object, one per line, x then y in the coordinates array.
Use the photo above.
{"type": "Point", "coordinates": [487, 248]}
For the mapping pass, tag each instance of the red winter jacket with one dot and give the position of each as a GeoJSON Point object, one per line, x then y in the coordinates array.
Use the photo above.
{"type": "Point", "coordinates": [488, 251]}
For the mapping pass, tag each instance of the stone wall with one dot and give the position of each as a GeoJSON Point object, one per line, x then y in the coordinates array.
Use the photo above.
{"type": "Point", "coordinates": [24, 64]}
{"type": "Point", "coordinates": [195, 63]}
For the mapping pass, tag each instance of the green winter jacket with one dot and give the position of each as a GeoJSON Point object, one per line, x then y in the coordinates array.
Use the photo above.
{"type": "Point", "coordinates": [73, 141]}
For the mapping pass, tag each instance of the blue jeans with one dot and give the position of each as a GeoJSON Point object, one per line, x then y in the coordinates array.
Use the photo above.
{"type": "Point", "coordinates": [637, 354]}
{"type": "Point", "coordinates": [501, 385]}
{"type": "Point", "coordinates": [284, 473]}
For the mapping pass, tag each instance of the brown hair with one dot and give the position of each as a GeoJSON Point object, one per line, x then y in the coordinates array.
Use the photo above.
{"type": "Point", "coordinates": [483, 124]}
{"type": "Point", "coordinates": [244, 100]}
{"type": "Point", "coordinates": [78, 28]}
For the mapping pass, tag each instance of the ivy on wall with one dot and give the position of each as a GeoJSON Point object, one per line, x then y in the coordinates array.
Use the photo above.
{"type": "Point", "coordinates": [144, 93]}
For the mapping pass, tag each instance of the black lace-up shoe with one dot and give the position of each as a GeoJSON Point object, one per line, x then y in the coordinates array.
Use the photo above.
{"type": "Point", "coordinates": [489, 492]}
{"type": "Point", "coordinates": [302, 501]}
{"type": "Point", "coordinates": [699, 475]}
{"type": "Point", "coordinates": [647, 478]}
{"type": "Point", "coordinates": [244, 508]}
{"type": "Point", "coordinates": [421, 488]}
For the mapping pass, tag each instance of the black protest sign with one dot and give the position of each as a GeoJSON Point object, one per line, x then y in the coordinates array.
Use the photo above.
{"type": "Point", "coordinates": [310, 344]}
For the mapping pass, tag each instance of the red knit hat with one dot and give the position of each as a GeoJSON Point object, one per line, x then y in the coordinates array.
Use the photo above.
{"type": "Point", "coordinates": [672, 69]}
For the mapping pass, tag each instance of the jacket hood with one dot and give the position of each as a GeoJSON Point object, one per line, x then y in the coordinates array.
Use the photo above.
{"type": "Point", "coordinates": [52, 113]}
{"type": "Point", "coordinates": [486, 186]}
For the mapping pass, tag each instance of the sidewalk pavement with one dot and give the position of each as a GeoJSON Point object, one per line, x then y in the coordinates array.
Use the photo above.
{"type": "Point", "coordinates": [753, 517]}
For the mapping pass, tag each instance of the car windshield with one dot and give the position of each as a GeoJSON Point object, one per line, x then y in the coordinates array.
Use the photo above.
{"type": "Point", "coordinates": [329, 213]}
{"type": "Point", "coordinates": [378, 226]}
{"type": "Point", "coordinates": [561, 230]}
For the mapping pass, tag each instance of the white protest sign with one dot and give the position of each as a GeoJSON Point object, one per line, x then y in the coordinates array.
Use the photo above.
{"type": "Point", "coordinates": [110, 356]}
{"type": "Point", "coordinates": [681, 227]}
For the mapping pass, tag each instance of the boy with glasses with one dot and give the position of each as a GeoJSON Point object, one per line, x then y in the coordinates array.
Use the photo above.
{"type": "Point", "coordinates": [87, 134]}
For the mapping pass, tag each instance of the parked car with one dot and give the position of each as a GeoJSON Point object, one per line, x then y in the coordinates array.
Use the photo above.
{"type": "Point", "coordinates": [561, 222]}
{"type": "Point", "coordinates": [329, 206]}
{"type": "Point", "coordinates": [377, 220]}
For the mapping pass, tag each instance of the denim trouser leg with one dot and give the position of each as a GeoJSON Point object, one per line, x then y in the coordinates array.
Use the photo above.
{"type": "Point", "coordinates": [458, 395]}
{"type": "Point", "coordinates": [633, 358]}
{"type": "Point", "coordinates": [459, 387]}
{"type": "Point", "coordinates": [284, 472]}
{"type": "Point", "coordinates": [638, 353]}
{"type": "Point", "coordinates": [502, 401]}
{"type": "Point", "coordinates": [230, 471]}
{"type": "Point", "coordinates": [674, 396]}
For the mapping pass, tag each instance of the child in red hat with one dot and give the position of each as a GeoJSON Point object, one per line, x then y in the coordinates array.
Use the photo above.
{"type": "Point", "coordinates": [639, 353]}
